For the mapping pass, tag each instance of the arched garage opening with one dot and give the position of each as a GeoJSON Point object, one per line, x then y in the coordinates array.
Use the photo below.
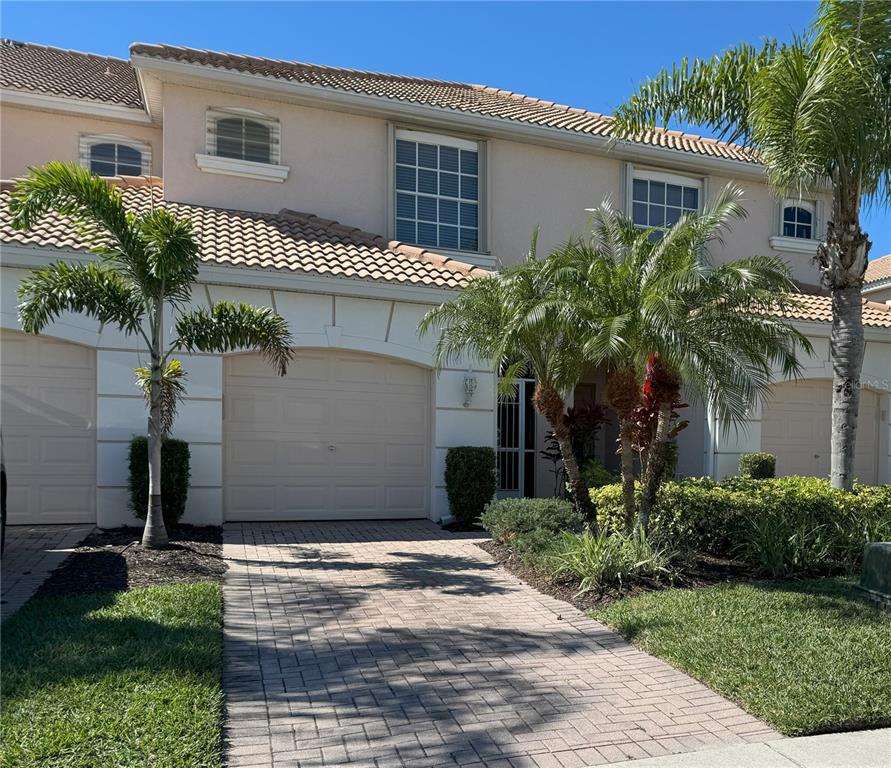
{"type": "Point", "coordinates": [345, 435]}
{"type": "Point", "coordinates": [48, 420]}
{"type": "Point", "coordinates": [796, 426]}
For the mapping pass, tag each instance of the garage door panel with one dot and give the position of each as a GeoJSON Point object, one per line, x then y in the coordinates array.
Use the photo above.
{"type": "Point", "coordinates": [49, 429]}
{"type": "Point", "coordinates": [377, 425]}
{"type": "Point", "coordinates": [796, 427]}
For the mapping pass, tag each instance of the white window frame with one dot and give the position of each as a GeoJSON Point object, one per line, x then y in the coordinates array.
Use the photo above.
{"type": "Point", "coordinates": [781, 242]}
{"type": "Point", "coordinates": [90, 140]}
{"type": "Point", "coordinates": [211, 162]}
{"type": "Point", "coordinates": [479, 257]}
{"type": "Point", "coordinates": [633, 172]}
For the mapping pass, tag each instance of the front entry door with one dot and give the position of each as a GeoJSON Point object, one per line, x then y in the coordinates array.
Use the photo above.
{"type": "Point", "coordinates": [516, 442]}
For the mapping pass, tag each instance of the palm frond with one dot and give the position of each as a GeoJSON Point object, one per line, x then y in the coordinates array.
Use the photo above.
{"type": "Point", "coordinates": [229, 327]}
{"type": "Point", "coordinates": [91, 289]}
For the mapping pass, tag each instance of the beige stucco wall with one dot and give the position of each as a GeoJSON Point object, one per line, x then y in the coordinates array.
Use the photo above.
{"type": "Point", "coordinates": [338, 162]}
{"type": "Point", "coordinates": [33, 137]}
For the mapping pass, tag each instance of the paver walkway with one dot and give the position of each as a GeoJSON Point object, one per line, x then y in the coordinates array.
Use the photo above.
{"type": "Point", "coordinates": [31, 554]}
{"type": "Point", "coordinates": [391, 644]}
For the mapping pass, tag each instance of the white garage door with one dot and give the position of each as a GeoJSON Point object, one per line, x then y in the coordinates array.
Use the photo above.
{"type": "Point", "coordinates": [342, 436]}
{"type": "Point", "coordinates": [48, 423]}
{"type": "Point", "coordinates": [797, 424]}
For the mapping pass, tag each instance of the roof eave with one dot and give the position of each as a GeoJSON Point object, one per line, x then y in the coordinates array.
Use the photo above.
{"type": "Point", "coordinates": [53, 103]}
{"type": "Point", "coordinates": [36, 256]}
{"type": "Point", "coordinates": [343, 100]}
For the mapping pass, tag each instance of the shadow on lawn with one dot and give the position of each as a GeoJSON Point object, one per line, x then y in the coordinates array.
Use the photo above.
{"type": "Point", "coordinates": [57, 640]}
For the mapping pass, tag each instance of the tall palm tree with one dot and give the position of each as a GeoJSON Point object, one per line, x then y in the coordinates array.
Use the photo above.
{"type": "Point", "coordinates": [815, 111]}
{"type": "Point", "coordinates": [517, 320]}
{"type": "Point", "coordinates": [642, 298]}
{"type": "Point", "coordinates": [148, 261]}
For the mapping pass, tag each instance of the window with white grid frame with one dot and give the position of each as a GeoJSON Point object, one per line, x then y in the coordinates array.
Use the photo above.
{"type": "Point", "coordinates": [437, 191]}
{"type": "Point", "coordinates": [242, 134]}
{"type": "Point", "coordinates": [798, 219]}
{"type": "Point", "coordinates": [112, 155]}
{"type": "Point", "coordinates": [659, 200]}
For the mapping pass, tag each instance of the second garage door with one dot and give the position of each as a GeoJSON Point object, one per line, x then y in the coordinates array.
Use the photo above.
{"type": "Point", "coordinates": [797, 424]}
{"type": "Point", "coordinates": [48, 420]}
{"type": "Point", "coordinates": [342, 436]}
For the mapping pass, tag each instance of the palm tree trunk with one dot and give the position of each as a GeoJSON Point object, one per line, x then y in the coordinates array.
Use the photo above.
{"type": "Point", "coordinates": [627, 458]}
{"type": "Point", "coordinates": [154, 536]}
{"type": "Point", "coordinates": [655, 467]}
{"type": "Point", "coordinates": [842, 259]}
{"type": "Point", "coordinates": [847, 347]}
{"type": "Point", "coordinates": [549, 404]}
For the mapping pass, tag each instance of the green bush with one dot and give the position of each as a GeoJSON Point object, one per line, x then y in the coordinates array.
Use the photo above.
{"type": "Point", "coordinates": [470, 481]}
{"type": "Point", "coordinates": [175, 473]}
{"type": "Point", "coordinates": [758, 466]}
{"type": "Point", "coordinates": [532, 527]}
{"type": "Point", "coordinates": [596, 475]}
{"type": "Point", "coordinates": [610, 559]}
{"type": "Point", "coordinates": [506, 519]}
{"type": "Point", "coordinates": [781, 526]}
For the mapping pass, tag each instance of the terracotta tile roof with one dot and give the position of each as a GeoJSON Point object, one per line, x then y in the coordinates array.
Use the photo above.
{"type": "Point", "coordinates": [818, 308]}
{"type": "Point", "coordinates": [59, 72]}
{"type": "Point", "coordinates": [287, 241]}
{"type": "Point", "coordinates": [878, 269]}
{"type": "Point", "coordinates": [460, 97]}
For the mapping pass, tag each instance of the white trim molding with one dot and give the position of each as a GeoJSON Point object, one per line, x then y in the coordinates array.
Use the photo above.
{"type": "Point", "coordinates": [246, 169]}
{"type": "Point", "coordinates": [793, 244]}
{"type": "Point", "coordinates": [98, 109]}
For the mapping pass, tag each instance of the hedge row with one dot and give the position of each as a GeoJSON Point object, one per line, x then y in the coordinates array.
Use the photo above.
{"type": "Point", "coordinates": [782, 524]}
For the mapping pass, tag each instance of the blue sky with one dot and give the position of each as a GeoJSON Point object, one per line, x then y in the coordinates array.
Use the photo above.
{"type": "Point", "coordinates": [588, 55]}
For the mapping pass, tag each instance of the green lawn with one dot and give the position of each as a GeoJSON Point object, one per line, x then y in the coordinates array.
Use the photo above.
{"type": "Point", "coordinates": [805, 656]}
{"type": "Point", "coordinates": [114, 679]}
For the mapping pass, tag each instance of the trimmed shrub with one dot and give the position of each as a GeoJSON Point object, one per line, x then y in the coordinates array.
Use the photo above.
{"type": "Point", "coordinates": [506, 519]}
{"type": "Point", "coordinates": [470, 481]}
{"type": "Point", "coordinates": [596, 475]}
{"type": "Point", "coordinates": [175, 473]}
{"type": "Point", "coordinates": [758, 466]}
{"type": "Point", "coordinates": [781, 526]}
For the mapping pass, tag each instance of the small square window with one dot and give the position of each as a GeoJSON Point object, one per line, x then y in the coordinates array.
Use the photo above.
{"type": "Point", "coordinates": [469, 214]}
{"type": "Point", "coordinates": [691, 199]}
{"type": "Point", "coordinates": [657, 192]}
{"type": "Point", "coordinates": [448, 211]}
{"type": "Point", "coordinates": [406, 152]}
{"type": "Point", "coordinates": [448, 159]}
{"type": "Point", "coordinates": [469, 188]}
{"type": "Point", "coordinates": [468, 239]}
{"type": "Point", "coordinates": [405, 231]}
{"type": "Point", "coordinates": [426, 233]}
{"type": "Point", "coordinates": [639, 214]}
{"type": "Point", "coordinates": [674, 195]}
{"type": "Point", "coordinates": [427, 156]}
{"type": "Point", "coordinates": [469, 162]}
{"type": "Point", "coordinates": [427, 182]}
{"type": "Point", "coordinates": [405, 206]}
{"type": "Point", "coordinates": [448, 184]}
{"type": "Point", "coordinates": [405, 178]}
{"type": "Point", "coordinates": [641, 190]}
{"type": "Point", "coordinates": [427, 209]}
{"type": "Point", "coordinates": [448, 236]}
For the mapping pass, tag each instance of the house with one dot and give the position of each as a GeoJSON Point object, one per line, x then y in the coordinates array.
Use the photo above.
{"type": "Point", "coordinates": [352, 202]}
{"type": "Point", "coordinates": [877, 281]}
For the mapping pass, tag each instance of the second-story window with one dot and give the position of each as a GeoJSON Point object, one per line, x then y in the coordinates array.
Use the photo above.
{"type": "Point", "coordinates": [437, 188]}
{"type": "Point", "coordinates": [243, 135]}
{"type": "Point", "coordinates": [798, 219]}
{"type": "Point", "coordinates": [107, 155]}
{"type": "Point", "coordinates": [659, 200]}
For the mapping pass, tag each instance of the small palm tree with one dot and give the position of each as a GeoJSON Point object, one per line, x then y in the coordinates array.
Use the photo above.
{"type": "Point", "coordinates": [148, 261]}
{"type": "Point", "coordinates": [816, 111]}
{"type": "Point", "coordinates": [643, 300]}
{"type": "Point", "coordinates": [516, 320]}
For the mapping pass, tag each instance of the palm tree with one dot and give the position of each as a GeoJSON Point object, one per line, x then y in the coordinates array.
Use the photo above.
{"type": "Point", "coordinates": [815, 111]}
{"type": "Point", "coordinates": [516, 320]}
{"type": "Point", "coordinates": [147, 261]}
{"type": "Point", "coordinates": [641, 299]}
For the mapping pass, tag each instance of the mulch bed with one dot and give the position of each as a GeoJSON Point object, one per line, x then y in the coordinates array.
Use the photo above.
{"type": "Point", "coordinates": [701, 572]}
{"type": "Point", "coordinates": [113, 561]}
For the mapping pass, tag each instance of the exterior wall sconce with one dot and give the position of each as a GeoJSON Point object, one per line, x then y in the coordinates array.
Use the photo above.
{"type": "Point", "coordinates": [469, 388]}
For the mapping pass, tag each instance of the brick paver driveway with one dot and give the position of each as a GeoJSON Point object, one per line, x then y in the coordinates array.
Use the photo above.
{"type": "Point", "coordinates": [389, 644]}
